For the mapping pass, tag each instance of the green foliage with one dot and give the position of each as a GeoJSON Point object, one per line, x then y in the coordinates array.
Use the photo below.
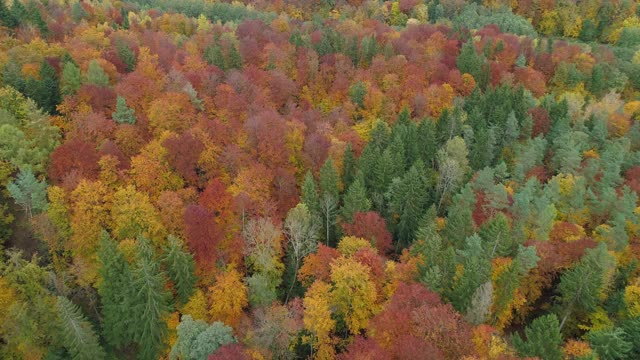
{"type": "Point", "coordinates": [96, 75]}
{"type": "Point", "coordinates": [543, 339]}
{"type": "Point", "coordinates": [348, 167]}
{"type": "Point", "coordinates": [180, 268]}
{"type": "Point", "coordinates": [29, 193]}
{"type": "Point", "coordinates": [355, 199]}
{"type": "Point", "coordinates": [116, 293]}
{"type": "Point", "coordinates": [196, 340]}
{"type": "Point", "coordinates": [610, 344]}
{"type": "Point", "coordinates": [474, 16]}
{"type": "Point", "coordinates": [309, 194]}
{"type": "Point", "coordinates": [476, 271]}
{"type": "Point", "coordinates": [71, 78]}
{"type": "Point", "coordinates": [357, 92]}
{"type": "Point", "coordinates": [123, 113]}
{"type": "Point", "coordinates": [126, 55]}
{"type": "Point", "coordinates": [77, 333]}
{"type": "Point", "coordinates": [150, 303]}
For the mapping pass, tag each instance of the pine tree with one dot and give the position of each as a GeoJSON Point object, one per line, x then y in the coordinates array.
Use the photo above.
{"type": "Point", "coordinates": [150, 303]}
{"type": "Point", "coordinates": [180, 268]}
{"type": "Point", "coordinates": [96, 75]}
{"type": "Point", "coordinates": [123, 113]}
{"type": "Point", "coordinates": [543, 339]}
{"type": "Point", "coordinates": [77, 334]}
{"type": "Point", "coordinates": [348, 166]}
{"type": "Point", "coordinates": [115, 290]}
{"type": "Point", "coordinates": [234, 61]}
{"type": "Point", "coordinates": [610, 344]}
{"type": "Point", "coordinates": [355, 199]}
{"type": "Point", "coordinates": [408, 199]}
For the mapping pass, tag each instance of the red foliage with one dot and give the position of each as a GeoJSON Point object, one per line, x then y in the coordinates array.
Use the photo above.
{"type": "Point", "coordinates": [203, 236]}
{"type": "Point", "coordinates": [364, 349]}
{"type": "Point", "coordinates": [229, 352]}
{"type": "Point", "coordinates": [75, 158]}
{"type": "Point", "coordinates": [101, 98]}
{"type": "Point", "coordinates": [183, 152]}
{"type": "Point", "coordinates": [316, 265]}
{"type": "Point", "coordinates": [531, 79]}
{"type": "Point", "coordinates": [632, 177]}
{"type": "Point", "coordinates": [541, 121]}
{"type": "Point", "coordinates": [370, 226]}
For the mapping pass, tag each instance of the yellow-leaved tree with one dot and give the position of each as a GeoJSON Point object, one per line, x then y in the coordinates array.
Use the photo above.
{"type": "Point", "coordinates": [228, 296]}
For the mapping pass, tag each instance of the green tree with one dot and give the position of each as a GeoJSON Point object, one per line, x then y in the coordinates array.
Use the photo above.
{"type": "Point", "coordinates": [301, 230]}
{"type": "Point", "coordinates": [71, 78]}
{"type": "Point", "coordinates": [329, 179]}
{"type": "Point", "coordinates": [234, 61]}
{"type": "Point", "coordinates": [150, 303]}
{"type": "Point", "coordinates": [213, 56]}
{"type": "Point", "coordinates": [46, 91]}
{"type": "Point", "coordinates": [77, 334]}
{"type": "Point", "coordinates": [510, 279]}
{"type": "Point", "coordinates": [348, 166]}
{"type": "Point", "coordinates": [470, 62]}
{"type": "Point", "coordinates": [29, 193]}
{"type": "Point", "coordinates": [580, 287]}
{"type": "Point", "coordinates": [196, 339]}
{"type": "Point", "coordinates": [116, 291]}
{"type": "Point", "coordinates": [6, 16]}
{"type": "Point", "coordinates": [357, 93]}
{"type": "Point", "coordinates": [180, 268]}
{"type": "Point", "coordinates": [496, 234]}
{"type": "Point", "coordinates": [355, 200]}
{"type": "Point", "coordinates": [77, 12]}
{"type": "Point", "coordinates": [476, 271]}
{"type": "Point", "coordinates": [123, 113]}
{"type": "Point", "coordinates": [126, 55]}
{"type": "Point", "coordinates": [96, 75]}
{"type": "Point", "coordinates": [610, 344]}
{"type": "Point", "coordinates": [543, 339]}
{"type": "Point", "coordinates": [309, 194]}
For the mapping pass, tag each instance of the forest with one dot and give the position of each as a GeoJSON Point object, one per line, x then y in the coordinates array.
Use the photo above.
{"type": "Point", "coordinates": [329, 179]}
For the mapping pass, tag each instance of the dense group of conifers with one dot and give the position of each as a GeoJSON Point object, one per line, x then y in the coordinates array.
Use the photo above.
{"type": "Point", "coordinates": [199, 180]}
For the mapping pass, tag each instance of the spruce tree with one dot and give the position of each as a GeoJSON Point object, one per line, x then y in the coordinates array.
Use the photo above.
{"type": "Point", "coordinates": [150, 303]}
{"type": "Point", "coordinates": [543, 339]}
{"type": "Point", "coordinates": [78, 336]}
{"type": "Point", "coordinates": [348, 166]}
{"type": "Point", "coordinates": [123, 114]}
{"type": "Point", "coordinates": [6, 16]}
{"type": "Point", "coordinates": [477, 270]}
{"type": "Point", "coordinates": [71, 78]}
{"type": "Point", "coordinates": [329, 179]}
{"type": "Point", "coordinates": [213, 55]}
{"type": "Point", "coordinates": [234, 61]}
{"type": "Point", "coordinates": [355, 199]}
{"type": "Point", "coordinates": [426, 139]}
{"type": "Point", "coordinates": [96, 75]}
{"type": "Point", "coordinates": [116, 291]}
{"type": "Point", "coordinates": [46, 91]}
{"type": "Point", "coordinates": [180, 268]}
{"type": "Point", "coordinates": [309, 194]}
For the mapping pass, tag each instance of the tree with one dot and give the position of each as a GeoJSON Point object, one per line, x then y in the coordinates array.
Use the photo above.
{"type": "Point", "coordinates": [301, 231]}
{"type": "Point", "coordinates": [476, 271]}
{"type": "Point", "coordinates": [78, 336]}
{"type": "Point", "coordinates": [71, 78]}
{"type": "Point", "coordinates": [46, 91]}
{"type": "Point", "coordinates": [610, 344]}
{"type": "Point", "coordinates": [228, 297]}
{"type": "Point", "coordinates": [123, 114]}
{"type": "Point", "coordinates": [318, 320]}
{"type": "Point", "coordinates": [180, 268]}
{"type": "Point", "coordinates": [196, 340]}
{"type": "Point", "coordinates": [580, 287]}
{"type": "Point", "coordinates": [357, 93]}
{"type": "Point", "coordinates": [470, 62]}
{"type": "Point", "coordinates": [355, 199]}
{"type": "Point", "coordinates": [348, 167]}
{"type": "Point", "coordinates": [452, 165]}
{"type": "Point", "coordinates": [150, 303]}
{"type": "Point", "coordinates": [328, 209]}
{"type": "Point", "coordinates": [353, 293]}
{"type": "Point", "coordinates": [543, 339]}
{"type": "Point", "coordinates": [371, 226]}
{"type": "Point", "coordinates": [6, 16]}
{"type": "Point", "coordinates": [115, 290]}
{"type": "Point", "coordinates": [29, 193]}
{"type": "Point", "coordinates": [329, 179]}
{"type": "Point", "coordinates": [96, 75]}
{"type": "Point", "coordinates": [309, 194]}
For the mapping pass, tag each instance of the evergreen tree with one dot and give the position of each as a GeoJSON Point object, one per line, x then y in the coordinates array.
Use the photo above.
{"type": "Point", "coordinates": [329, 179]}
{"type": "Point", "coordinates": [71, 78]}
{"type": "Point", "coordinates": [19, 12]}
{"type": "Point", "coordinates": [357, 92]}
{"type": "Point", "coordinates": [427, 146]}
{"type": "Point", "coordinates": [404, 117]}
{"type": "Point", "coordinates": [543, 339]}
{"type": "Point", "coordinates": [123, 113]}
{"type": "Point", "coordinates": [348, 166]}
{"type": "Point", "coordinates": [476, 267]}
{"type": "Point", "coordinates": [150, 303]}
{"type": "Point", "coordinates": [408, 199]}
{"type": "Point", "coordinates": [180, 268]}
{"type": "Point", "coordinates": [470, 62]}
{"type": "Point", "coordinates": [77, 12]}
{"type": "Point", "coordinates": [213, 56]}
{"type": "Point", "coordinates": [6, 16]}
{"type": "Point", "coordinates": [610, 344]}
{"type": "Point", "coordinates": [46, 91]}
{"type": "Point", "coordinates": [496, 234]}
{"type": "Point", "coordinates": [355, 200]}
{"type": "Point", "coordinates": [310, 195]}
{"type": "Point", "coordinates": [116, 291]}
{"type": "Point", "coordinates": [459, 224]}
{"type": "Point", "coordinates": [580, 287]}
{"type": "Point", "coordinates": [126, 55]}
{"type": "Point", "coordinates": [78, 336]}
{"type": "Point", "coordinates": [29, 193]}
{"type": "Point", "coordinates": [234, 61]}
{"type": "Point", "coordinates": [36, 19]}
{"type": "Point", "coordinates": [196, 339]}
{"type": "Point", "coordinates": [510, 279]}
{"type": "Point", "coordinates": [96, 75]}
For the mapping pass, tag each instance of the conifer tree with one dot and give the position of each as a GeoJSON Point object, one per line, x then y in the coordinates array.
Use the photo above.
{"type": "Point", "coordinates": [348, 166]}
{"type": "Point", "coordinates": [543, 339]}
{"type": "Point", "coordinates": [96, 75]}
{"type": "Point", "coordinates": [355, 199]}
{"type": "Point", "coordinates": [29, 193]}
{"type": "Point", "coordinates": [71, 78]}
{"type": "Point", "coordinates": [78, 336]}
{"type": "Point", "coordinates": [123, 114]}
{"type": "Point", "coordinates": [309, 194]}
{"type": "Point", "coordinates": [180, 268]}
{"type": "Point", "coordinates": [150, 303]}
{"type": "Point", "coordinates": [115, 290]}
